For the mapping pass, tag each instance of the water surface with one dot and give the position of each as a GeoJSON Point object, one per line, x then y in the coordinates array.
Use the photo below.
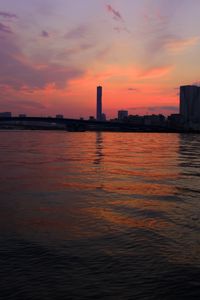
{"type": "Point", "coordinates": [99, 215]}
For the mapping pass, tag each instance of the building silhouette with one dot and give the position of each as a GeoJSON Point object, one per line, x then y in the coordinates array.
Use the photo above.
{"type": "Point", "coordinates": [5, 114]}
{"type": "Point", "coordinates": [122, 114]}
{"type": "Point", "coordinates": [99, 103]}
{"type": "Point", "coordinates": [59, 116]}
{"type": "Point", "coordinates": [190, 105]}
{"type": "Point", "coordinates": [103, 117]}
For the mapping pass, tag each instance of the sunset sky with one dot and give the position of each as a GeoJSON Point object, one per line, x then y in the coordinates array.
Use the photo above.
{"type": "Point", "coordinates": [53, 54]}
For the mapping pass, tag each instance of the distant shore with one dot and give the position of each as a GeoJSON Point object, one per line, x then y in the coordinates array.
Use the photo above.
{"type": "Point", "coordinates": [80, 125]}
{"type": "Point", "coordinates": [38, 128]}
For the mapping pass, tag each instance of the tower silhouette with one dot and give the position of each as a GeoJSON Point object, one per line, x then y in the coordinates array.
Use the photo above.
{"type": "Point", "coordinates": [99, 103]}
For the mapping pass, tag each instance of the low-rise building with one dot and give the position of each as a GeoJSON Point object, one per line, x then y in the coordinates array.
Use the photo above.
{"type": "Point", "coordinates": [59, 117]}
{"type": "Point", "coordinates": [122, 115]}
{"type": "Point", "coordinates": [103, 117]}
{"type": "Point", "coordinates": [136, 120]}
{"type": "Point", "coordinates": [154, 120]}
{"type": "Point", "coordinates": [5, 114]}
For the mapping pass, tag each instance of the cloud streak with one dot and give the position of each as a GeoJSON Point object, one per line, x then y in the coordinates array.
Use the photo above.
{"type": "Point", "coordinates": [8, 15]}
{"type": "Point", "coordinates": [44, 34]}
{"type": "Point", "coordinates": [77, 32]}
{"type": "Point", "coordinates": [156, 109]}
{"type": "Point", "coordinates": [116, 14]}
{"type": "Point", "coordinates": [155, 72]}
{"type": "Point", "coordinates": [5, 29]}
{"type": "Point", "coordinates": [180, 44]}
{"type": "Point", "coordinates": [131, 89]}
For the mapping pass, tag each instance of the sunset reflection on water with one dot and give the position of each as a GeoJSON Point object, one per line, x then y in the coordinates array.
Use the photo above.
{"type": "Point", "coordinates": [108, 195]}
{"type": "Point", "coordinates": [113, 178]}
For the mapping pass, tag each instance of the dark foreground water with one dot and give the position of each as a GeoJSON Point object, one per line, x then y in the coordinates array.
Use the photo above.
{"type": "Point", "coordinates": [99, 216]}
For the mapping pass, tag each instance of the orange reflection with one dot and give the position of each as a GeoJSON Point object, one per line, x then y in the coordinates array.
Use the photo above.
{"type": "Point", "coordinates": [100, 181]}
{"type": "Point", "coordinates": [122, 220]}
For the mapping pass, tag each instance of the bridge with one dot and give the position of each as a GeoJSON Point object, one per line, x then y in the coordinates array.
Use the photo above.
{"type": "Point", "coordinates": [50, 123]}
{"type": "Point", "coordinates": [55, 123]}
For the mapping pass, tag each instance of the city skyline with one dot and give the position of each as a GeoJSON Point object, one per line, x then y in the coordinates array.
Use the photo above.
{"type": "Point", "coordinates": [53, 55]}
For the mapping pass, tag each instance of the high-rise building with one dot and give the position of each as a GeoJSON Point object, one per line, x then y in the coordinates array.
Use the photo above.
{"type": "Point", "coordinates": [190, 104]}
{"type": "Point", "coordinates": [122, 114]}
{"type": "Point", "coordinates": [99, 103]}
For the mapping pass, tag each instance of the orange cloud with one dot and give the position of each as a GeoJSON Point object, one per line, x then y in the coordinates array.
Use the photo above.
{"type": "Point", "coordinates": [156, 72]}
{"type": "Point", "coordinates": [176, 45]}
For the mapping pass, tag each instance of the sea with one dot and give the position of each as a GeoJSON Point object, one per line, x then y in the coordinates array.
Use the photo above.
{"type": "Point", "coordinates": [99, 215]}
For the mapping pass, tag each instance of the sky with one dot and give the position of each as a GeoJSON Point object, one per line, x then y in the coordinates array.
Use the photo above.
{"type": "Point", "coordinates": [53, 55]}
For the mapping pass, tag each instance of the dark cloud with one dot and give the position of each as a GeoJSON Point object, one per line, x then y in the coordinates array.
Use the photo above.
{"type": "Point", "coordinates": [165, 107]}
{"type": "Point", "coordinates": [8, 15]}
{"type": "Point", "coordinates": [117, 17]}
{"type": "Point", "coordinates": [5, 29]}
{"type": "Point", "coordinates": [131, 89]}
{"type": "Point", "coordinates": [116, 14]}
{"type": "Point", "coordinates": [44, 34]}
{"type": "Point", "coordinates": [157, 109]}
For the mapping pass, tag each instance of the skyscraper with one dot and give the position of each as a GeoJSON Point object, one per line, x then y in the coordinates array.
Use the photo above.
{"type": "Point", "coordinates": [99, 103]}
{"type": "Point", "coordinates": [190, 104]}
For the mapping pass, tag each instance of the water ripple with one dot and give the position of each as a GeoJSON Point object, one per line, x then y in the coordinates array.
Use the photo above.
{"type": "Point", "coordinates": [99, 215]}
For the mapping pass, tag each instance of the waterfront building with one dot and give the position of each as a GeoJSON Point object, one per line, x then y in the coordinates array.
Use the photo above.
{"type": "Point", "coordinates": [190, 105]}
{"type": "Point", "coordinates": [122, 114]}
{"type": "Point", "coordinates": [174, 121]}
{"type": "Point", "coordinates": [154, 120]}
{"type": "Point", "coordinates": [103, 117]}
{"type": "Point", "coordinates": [136, 120]}
{"type": "Point", "coordinates": [59, 117]}
{"type": "Point", "coordinates": [99, 103]}
{"type": "Point", "coordinates": [5, 114]}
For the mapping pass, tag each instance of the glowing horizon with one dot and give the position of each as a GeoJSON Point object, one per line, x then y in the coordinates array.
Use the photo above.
{"type": "Point", "coordinates": [54, 55]}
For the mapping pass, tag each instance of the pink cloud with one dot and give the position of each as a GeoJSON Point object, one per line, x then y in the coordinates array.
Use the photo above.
{"type": "Point", "coordinates": [8, 15]}
{"type": "Point", "coordinates": [18, 71]}
{"type": "Point", "coordinates": [5, 29]}
{"type": "Point", "coordinates": [178, 44]}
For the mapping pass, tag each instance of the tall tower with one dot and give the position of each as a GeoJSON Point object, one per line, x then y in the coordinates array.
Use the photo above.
{"type": "Point", "coordinates": [99, 103]}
